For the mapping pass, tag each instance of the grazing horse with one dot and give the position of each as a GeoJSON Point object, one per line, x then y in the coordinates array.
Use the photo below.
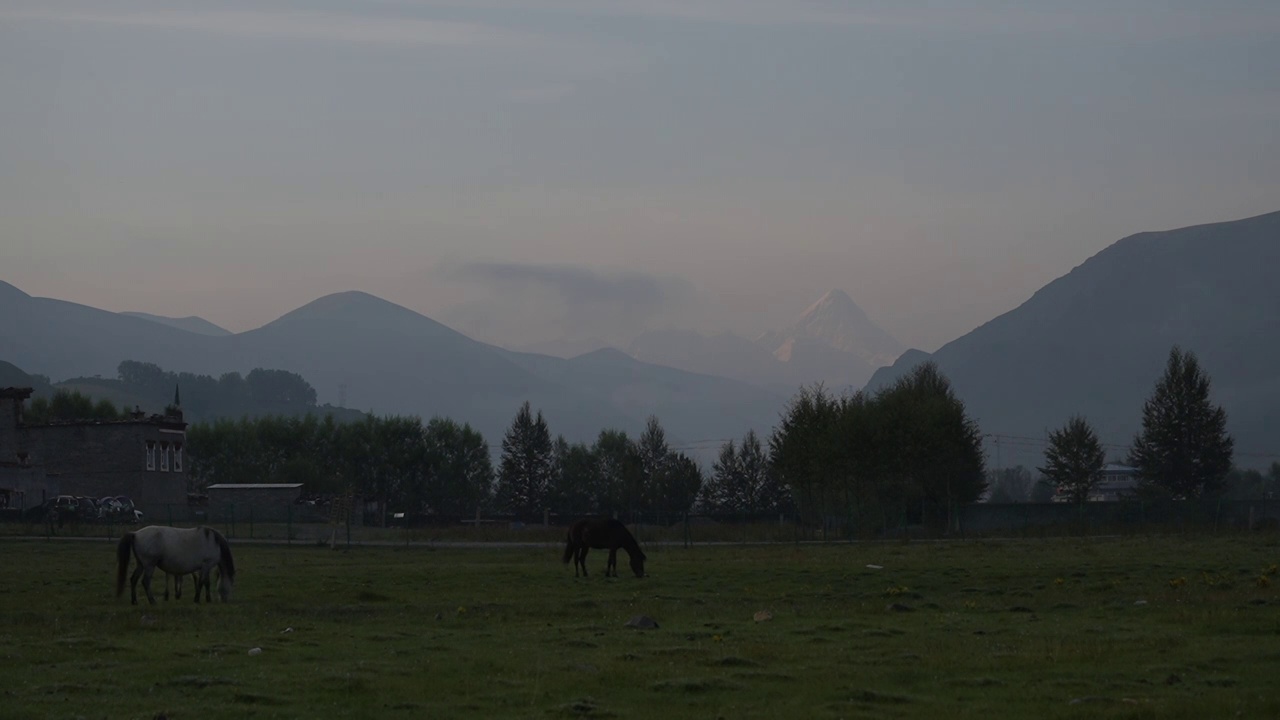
{"type": "Point", "coordinates": [177, 552]}
{"type": "Point", "coordinates": [177, 585]}
{"type": "Point", "coordinates": [602, 534]}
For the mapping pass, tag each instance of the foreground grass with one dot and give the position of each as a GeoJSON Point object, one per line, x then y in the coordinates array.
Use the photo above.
{"type": "Point", "coordinates": [1181, 627]}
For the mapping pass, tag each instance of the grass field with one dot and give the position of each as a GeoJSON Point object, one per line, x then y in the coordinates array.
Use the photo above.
{"type": "Point", "coordinates": [1166, 627]}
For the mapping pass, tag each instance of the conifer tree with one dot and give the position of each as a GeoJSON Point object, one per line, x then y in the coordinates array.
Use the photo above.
{"type": "Point", "coordinates": [1184, 447]}
{"type": "Point", "coordinates": [525, 471]}
{"type": "Point", "coordinates": [1074, 459]}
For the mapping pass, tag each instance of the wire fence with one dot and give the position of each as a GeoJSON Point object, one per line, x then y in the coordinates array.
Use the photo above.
{"type": "Point", "coordinates": [346, 523]}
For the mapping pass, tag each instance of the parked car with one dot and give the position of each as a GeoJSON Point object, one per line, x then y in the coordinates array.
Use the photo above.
{"type": "Point", "coordinates": [43, 511]}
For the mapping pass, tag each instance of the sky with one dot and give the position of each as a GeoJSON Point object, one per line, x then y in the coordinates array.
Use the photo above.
{"type": "Point", "coordinates": [527, 170]}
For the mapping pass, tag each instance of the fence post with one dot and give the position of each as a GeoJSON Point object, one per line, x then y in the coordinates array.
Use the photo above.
{"type": "Point", "coordinates": [250, 522]}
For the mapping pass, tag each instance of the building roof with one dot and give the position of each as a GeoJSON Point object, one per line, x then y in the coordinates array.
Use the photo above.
{"type": "Point", "coordinates": [21, 393]}
{"type": "Point", "coordinates": [254, 486]}
{"type": "Point", "coordinates": [1119, 469]}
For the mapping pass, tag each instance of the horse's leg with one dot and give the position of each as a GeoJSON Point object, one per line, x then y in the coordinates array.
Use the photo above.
{"type": "Point", "coordinates": [146, 584]}
{"type": "Point", "coordinates": [133, 583]}
{"type": "Point", "coordinates": [207, 576]}
{"type": "Point", "coordinates": [581, 560]}
{"type": "Point", "coordinates": [611, 570]}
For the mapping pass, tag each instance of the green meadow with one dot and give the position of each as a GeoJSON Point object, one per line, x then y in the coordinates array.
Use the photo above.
{"type": "Point", "coordinates": [1157, 627]}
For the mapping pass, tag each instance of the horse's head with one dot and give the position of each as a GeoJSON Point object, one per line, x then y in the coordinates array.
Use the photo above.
{"type": "Point", "coordinates": [637, 563]}
{"type": "Point", "coordinates": [225, 583]}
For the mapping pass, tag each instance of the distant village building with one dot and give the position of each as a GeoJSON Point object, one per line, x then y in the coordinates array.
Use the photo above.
{"type": "Point", "coordinates": [256, 502]}
{"type": "Point", "coordinates": [1118, 482]}
{"type": "Point", "coordinates": [140, 457]}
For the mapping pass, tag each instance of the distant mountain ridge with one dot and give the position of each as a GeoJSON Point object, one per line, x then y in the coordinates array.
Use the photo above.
{"type": "Point", "coordinates": [385, 358]}
{"type": "Point", "coordinates": [1095, 340]}
{"type": "Point", "coordinates": [190, 323]}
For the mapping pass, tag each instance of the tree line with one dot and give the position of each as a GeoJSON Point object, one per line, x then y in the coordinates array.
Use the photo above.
{"type": "Point", "coordinates": [442, 470]}
{"type": "Point", "coordinates": [910, 449]}
{"type": "Point", "coordinates": [1183, 451]}
{"type": "Point", "coordinates": [260, 392]}
{"type": "Point", "coordinates": [908, 454]}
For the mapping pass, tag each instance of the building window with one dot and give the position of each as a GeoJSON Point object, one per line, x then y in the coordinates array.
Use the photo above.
{"type": "Point", "coordinates": [151, 455]}
{"type": "Point", "coordinates": [177, 457]}
{"type": "Point", "coordinates": [164, 457]}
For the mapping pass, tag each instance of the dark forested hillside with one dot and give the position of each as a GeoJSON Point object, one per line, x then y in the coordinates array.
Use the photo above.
{"type": "Point", "coordinates": [1094, 341]}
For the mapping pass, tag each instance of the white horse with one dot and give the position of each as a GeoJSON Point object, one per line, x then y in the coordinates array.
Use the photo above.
{"type": "Point", "coordinates": [177, 585]}
{"type": "Point", "coordinates": [177, 552]}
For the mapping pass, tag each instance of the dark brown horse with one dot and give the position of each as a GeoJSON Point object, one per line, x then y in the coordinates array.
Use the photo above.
{"type": "Point", "coordinates": [602, 534]}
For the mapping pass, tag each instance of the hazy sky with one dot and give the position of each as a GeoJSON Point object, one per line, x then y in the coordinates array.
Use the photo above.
{"type": "Point", "coordinates": [517, 167]}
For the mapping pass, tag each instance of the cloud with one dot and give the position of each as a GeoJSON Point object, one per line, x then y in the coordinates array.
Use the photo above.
{"type": "Point", "coordinates": [577, 286]}
{"type": "Point", "coordinates": [523, 304]}
{"type": "Point", "coordinates": [1151, 19]}
{"type": "Point", "coordinates": [406, 22]}
{"type": "Point", "coordinates": [332, 27]}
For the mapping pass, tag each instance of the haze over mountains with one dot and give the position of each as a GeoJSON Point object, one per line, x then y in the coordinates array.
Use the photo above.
{"type": "Point", "coordinates": [190, 323]}
{"type": "Point", "coordinates": [379, 356]}
{"type": "Point", "coordinates": [832, 342]}
{"type": "Point", "coordinates": [1092, 342]}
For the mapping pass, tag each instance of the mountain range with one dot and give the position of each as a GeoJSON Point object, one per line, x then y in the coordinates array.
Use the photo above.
{"type": "Point", "coordinates": [385, 358]}
{"type": "Point", "coordinates": [1095, 341]}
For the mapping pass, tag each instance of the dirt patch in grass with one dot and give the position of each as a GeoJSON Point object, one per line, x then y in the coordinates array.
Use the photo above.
{"type": "Point", "coordinates": [255, 699]}
{"type": "Point", "coordinates": [199, 681]}
{"type": "Point", "coordinates": [583, 708]}
{"type": "Point", "coordinates": [694, 685]}
{"type": "Point", "coordinates": [732, 661]}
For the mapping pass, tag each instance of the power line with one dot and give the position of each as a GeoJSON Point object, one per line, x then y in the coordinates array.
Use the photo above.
{"type": "Point", "coordinates": [1024, 441]}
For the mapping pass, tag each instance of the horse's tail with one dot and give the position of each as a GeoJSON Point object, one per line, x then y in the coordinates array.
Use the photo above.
{"type": "Point", "coordinates": [123, 549]}
{"type": "Point", "coordinates": [568, 547]}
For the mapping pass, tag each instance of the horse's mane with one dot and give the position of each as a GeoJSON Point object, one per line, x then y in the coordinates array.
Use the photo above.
{"type": "Point", "coordinates": [628, 541]}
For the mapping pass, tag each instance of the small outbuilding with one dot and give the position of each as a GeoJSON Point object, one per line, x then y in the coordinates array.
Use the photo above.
{"type": "Point", "coordinates": [256, 502]}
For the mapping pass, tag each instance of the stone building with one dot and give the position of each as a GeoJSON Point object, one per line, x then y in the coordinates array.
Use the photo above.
{"type": "Point", "coordinates": [140, 457]}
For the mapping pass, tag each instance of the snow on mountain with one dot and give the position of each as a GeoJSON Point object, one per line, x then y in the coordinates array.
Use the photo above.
{"type": "Point", "coordinates": [835, 321]}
